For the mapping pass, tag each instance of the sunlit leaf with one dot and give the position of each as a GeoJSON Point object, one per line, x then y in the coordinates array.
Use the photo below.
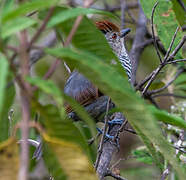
{"type": "Point", "coordinates": [166, 22]}
{"type": "Point", "coordinates": [71, 158]}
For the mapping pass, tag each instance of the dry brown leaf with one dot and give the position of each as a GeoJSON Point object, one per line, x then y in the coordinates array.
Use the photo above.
{"type": "Point", "coordinates": [9, 159]}
{"type": "Point", "coordinates": [72, 159]}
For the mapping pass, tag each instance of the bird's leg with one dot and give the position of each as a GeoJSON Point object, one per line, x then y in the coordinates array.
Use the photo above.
{"type": "Point", "coordinates": [100, 131]}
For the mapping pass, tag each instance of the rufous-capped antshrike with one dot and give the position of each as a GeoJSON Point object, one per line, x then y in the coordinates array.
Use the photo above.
{"type": "Point", "coordinates": [79, 87]}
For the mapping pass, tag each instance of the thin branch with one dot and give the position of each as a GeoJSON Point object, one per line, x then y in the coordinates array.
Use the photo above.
{"type": "Point", "coordinates": [130, 131]}
{"type": "Point", "coordinates": [121, 129]}
{"type": "Point", "coordinates": [178, 47]}
{"type": "Point", "coordinates": [23, 172]}
{"type": "Point", "coordinates": [103, 136]}
{"type": "Point", "coordinates": [123, 9]}
{"type": "Point", "coordinates": [155, 73]}
{"type": "Point", "coordinates": [153, 34]}
{"type": "Point", "coordinates": [142, 83]}
{"type": "Point", "coordinates": [171, 44]}
{"type": "Point", "coordinates": [168, 84]}
{"type": "Point", "coordinates": [41, 28]}
{"type": "Point", "coordinates": [165, 174]}
{"type": "Point", "coordinates": [180, 149]}
{"type": "Point", "coordinates": [53, 67]}
{"type": "Point", "coordinates": [175, 61]}
{"type": "Point", "coordinates": [117, 177]}
{"type": "Point", "coordinates": [169, 94]}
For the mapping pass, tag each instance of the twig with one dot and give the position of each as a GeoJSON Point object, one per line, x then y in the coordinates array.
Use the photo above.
{"type": "Point", "coordinates": [168, 84]}
{"type": "Point", "coordinates": [130, 131]}
{"type": "Point", "coordinates": [53, 67]}
{"type": "Point", "coordinates": [147, 78]}
{"type": "Point", "coordinates": [153, 34]}
{"type": "Point", "coordinates": [41, 28]}
{"type": "Point", "coordinates": [123, 8]}
{"type": "Point", "coordinates": [165, 174]}
{"type": "Point", "coordinates": [171, 44]}
{"type": "Point", "coordinates": [155, 73]}
{"type": "Point", "coordinates": [109, 173]}
{"type": "Point", "coordinates": [121, 129]}
{"type": "Point", "coordinates": [103, 136]}
{"type": "Point", "coordinates": [178, 47]}
{"type": "Point", "coordinates": [169, 94]}
{"type": "Point", "coordinates": [175, 61]}
{"type": "Point", "coordinates": [180, 149]}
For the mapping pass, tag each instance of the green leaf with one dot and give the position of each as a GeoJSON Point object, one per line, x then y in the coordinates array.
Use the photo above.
{"type": "Point", "coordinates": [8, 100]}
{"type": "Point", "coordinates": [49, 87]}
{"type": "Point", "coordinates": [156, 158]}
{"type": "Point", "coordinates": [66, 14]}
{"type": "Point", "coordinates": [181, 79]}
{"type": "Point", "coordinates": [142, 155]}
{"type": "Point", "coordinates": [27, 7]}
{"type": "Point", "coordinates": [60, 128]}
{"type": "Point", "coordinates": [82, 114]}
{"type": "Point", "coordinates": [112, 83]}
{"type": "Point", "coordinates": [3, 81]}
{"type": "Point", "coordinates": [89, 38]}
{"type": "Point", "coordinates": [71, 159]}
{"type": "Point", "coordinates": [16, 25]}
{"type": "Point", "coordinates": [165, 19]}
{"type": "Point", "coordinates": [179, 11]}
{"type": "Point", "coordinates": [168, 118]}
{"type": "Point", "coordinates": [147, 7]}
{"type": "Point", "coordinates": [52, 163]}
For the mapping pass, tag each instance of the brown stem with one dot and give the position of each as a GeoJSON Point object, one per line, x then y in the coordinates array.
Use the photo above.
{"type": "Point", "coordinates": [41, 28]}
{"type": "Point", "coordinates": [103, 136]}
{"type": "Point", "coordinates": [25, 104]}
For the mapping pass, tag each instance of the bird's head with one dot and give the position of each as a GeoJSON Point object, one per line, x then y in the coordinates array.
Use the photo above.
{"type": "Point", "coordinates": [113, 35]}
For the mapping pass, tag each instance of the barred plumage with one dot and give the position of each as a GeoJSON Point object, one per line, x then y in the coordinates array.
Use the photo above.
{"type": "Point", "coordinates": [78, 86]}
{"type": "Point", "coordinates": [115, 39]}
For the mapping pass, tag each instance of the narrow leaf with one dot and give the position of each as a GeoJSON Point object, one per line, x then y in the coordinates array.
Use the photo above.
{"type": "Point", "coordinates": [66, 14]}
{"type": "Point", "coordinates": [27, 7]}
{"type": "Point", "coordinates": [15, 26]}
{"type": "Point", "coordinates": [71, 159]}
{"type": "Point", "coordinates": [111, 82]}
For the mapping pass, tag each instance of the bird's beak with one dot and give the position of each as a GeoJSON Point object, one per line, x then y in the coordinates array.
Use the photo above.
{"type": "Point", "coordinates": [124, 32]}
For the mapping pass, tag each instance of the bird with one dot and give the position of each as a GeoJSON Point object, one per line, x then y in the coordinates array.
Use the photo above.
{"type": "Point", "coordinates": [78, 86]}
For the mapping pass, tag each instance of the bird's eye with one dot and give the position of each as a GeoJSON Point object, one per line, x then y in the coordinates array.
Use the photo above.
{"type": "Point", "coordinates": [114, 36]}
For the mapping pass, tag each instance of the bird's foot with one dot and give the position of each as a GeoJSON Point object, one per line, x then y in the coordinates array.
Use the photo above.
{"type": "Point", "coordinates": [115, 122]}
{"type": "Point", "coordinates": [106, 135]}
